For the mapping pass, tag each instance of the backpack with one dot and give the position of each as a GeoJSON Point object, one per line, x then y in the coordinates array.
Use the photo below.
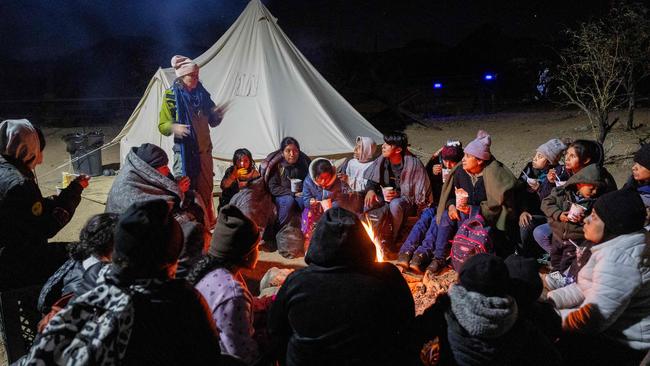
{"type": "Point", "coordinates": [471, 238]}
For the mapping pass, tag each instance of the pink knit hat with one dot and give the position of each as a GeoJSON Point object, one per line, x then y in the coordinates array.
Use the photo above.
{"type": "Point", "coordinates": [480, 146]}
{"type": "Point", "coordinates": [183, 65]}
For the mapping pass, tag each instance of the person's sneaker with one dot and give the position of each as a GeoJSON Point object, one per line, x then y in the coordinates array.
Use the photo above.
{"type": "Point", "coordinates": [418, 262]}
{"type": "Point", "coordinates": [554, 280]}
{"type": "Point", "coordinates": [403, 259]}
{"type": "Point", "coordinates": [437, 265]}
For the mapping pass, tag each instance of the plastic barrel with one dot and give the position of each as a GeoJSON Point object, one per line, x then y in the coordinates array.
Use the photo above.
{"type": "Point", "coordinates": [78, 145]}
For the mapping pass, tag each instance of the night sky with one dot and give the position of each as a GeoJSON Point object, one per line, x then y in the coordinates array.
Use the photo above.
{"type": "Point", "coordinates": [100, 48]}
{"type": "Point", "coordinates": [38, 29]}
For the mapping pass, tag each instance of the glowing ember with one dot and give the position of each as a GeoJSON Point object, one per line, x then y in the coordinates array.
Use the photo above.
{"type": "Point", "coordinates": [367, 224]}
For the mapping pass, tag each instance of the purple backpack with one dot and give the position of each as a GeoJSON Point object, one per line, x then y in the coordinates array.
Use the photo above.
{"type": "Point", "coordinates": [471, 238]}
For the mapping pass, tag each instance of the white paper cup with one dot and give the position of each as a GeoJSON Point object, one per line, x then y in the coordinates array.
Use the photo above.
{"type": "Point", "coordinates": [575, 212]}
{"type": "Point", "coordinates": [445, 174]}
{"type": "Point", "coordinates": [461, 199]}
{"type": "Point", "coordinates": [385, 191]}
{"type": "Point", "coordinates": [296, 185]}
{"type": "Point", "coordinates": [326, 204]}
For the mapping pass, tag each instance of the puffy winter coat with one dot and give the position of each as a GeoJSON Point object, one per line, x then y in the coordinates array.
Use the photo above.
{"type": "Point", "coordinates": [561, 198]}
{"type": "Point", "coordinates": [612, 294]}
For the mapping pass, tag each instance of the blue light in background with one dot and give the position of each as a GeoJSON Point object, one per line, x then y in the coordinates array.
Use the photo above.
{"type": "Point", "coordinates": [437, 85]}
{"type": "Point", "coordinates": [488, 77]}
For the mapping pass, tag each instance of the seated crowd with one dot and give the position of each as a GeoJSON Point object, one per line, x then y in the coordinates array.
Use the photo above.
{"type": "Point", "coordinates": [150, 282]}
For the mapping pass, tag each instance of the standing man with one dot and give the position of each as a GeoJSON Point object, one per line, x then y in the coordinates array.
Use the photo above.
{"type": "Point", "coordinates": [187, 112]}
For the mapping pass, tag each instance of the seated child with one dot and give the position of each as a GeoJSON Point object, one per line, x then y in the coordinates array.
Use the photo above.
{"type": "Point", "coordinates": [579, 154]}
{"type": "Point", "coordinates": [567, 223]}
{"type": "Point", "coordinates": [438, 170]}
{"type": "Point", "coordinates": [238, 175]}
{"type": "Point", "coordinates": [352, 170]}
{"type": "Point", "coordinates": [534, 178]}
{"type": "Point", "coordinates": [418, 249]}
{"type": "Point", "coordinates": [321, 191]}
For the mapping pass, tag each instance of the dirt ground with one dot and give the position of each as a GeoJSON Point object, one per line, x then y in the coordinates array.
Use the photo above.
{"type": "Point", "coordinates": [515, 136]}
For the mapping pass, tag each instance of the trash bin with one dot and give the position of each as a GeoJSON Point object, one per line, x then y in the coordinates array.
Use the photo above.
{"type": "Point", "coordinates": [80, 146]}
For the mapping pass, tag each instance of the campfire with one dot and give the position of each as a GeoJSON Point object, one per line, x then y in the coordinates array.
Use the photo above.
{"type": "Point", "coordinates": [367, 224]}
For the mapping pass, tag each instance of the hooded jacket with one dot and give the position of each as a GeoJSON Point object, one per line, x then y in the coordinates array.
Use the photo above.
{"type": "Point", "coordinates": [561, 198]}
{"type": "Point", "coordinates": [475, 329]}
{"type": "Point", "coordinates": [27, 219]}
{"type": "Point", "coordinates": [356, 168]}
{"type": "Point", "coordinates": [343, 308]}
{"type": "Point", "coordinates": [334, 190]}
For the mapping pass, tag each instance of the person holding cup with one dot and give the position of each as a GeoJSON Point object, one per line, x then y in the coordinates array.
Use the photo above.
{"type": "Point", "coordinates": [27, 219]}
{"type": "Point", "coordinates": [238, 175]}
{"type": "Point", "coordinates": [322, 190]}
{"type": "Point", "coordinates": [398, 179]}
{"type": "Point", "coordinates": [566, 207]}
{"type": "Point", "coordinates": [289, 166]}
{"type": "Point", "coordinates": [481, 185]}
{"type": "Point", "coordinates": [440, 165]}
{"type": "Point", "coordinates": [534, 177]}
{"type": "Point", "coordinates": [417, 251]}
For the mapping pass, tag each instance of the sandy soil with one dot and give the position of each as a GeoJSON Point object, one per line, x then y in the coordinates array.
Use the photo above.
{"type": "Point", "coordinates": [515, 136]}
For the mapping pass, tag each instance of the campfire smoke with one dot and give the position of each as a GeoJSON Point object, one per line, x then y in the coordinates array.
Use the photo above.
{"type": "Point", "coordinates": [367, 224]}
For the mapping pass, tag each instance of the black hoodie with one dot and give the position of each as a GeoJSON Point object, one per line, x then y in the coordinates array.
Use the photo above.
{"type": "Point", "coordinates": [343, 308]}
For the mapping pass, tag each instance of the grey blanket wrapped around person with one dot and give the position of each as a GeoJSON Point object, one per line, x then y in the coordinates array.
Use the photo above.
{"type": "Point", "coordinates": [138, 182]}
{"type": "Point", "coordinates": [256, 203]}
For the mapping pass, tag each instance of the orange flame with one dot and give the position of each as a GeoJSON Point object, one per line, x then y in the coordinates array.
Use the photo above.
{"type": "Point", "coordinates": [367, 224]}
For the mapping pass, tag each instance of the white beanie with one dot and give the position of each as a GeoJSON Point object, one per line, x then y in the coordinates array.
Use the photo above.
{"type": "Point", "coordinates": [183, 65]}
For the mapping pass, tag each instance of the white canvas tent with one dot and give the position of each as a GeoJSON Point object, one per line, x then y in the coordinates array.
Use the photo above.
{"type": "Point", "coordinates": [271, 91]}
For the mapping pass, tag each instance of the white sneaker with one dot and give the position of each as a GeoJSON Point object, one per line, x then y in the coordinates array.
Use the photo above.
{"type": "Point", "coordinates": [554, 280]}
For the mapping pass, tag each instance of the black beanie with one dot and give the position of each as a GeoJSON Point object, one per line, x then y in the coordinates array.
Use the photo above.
{"type": "Point", "coordinates": [234, 236]}
{"type": "Point", "coordinates": [524, 278]}
{"type": "Point", "coordinates": [622, 211]}
{"type": "Point", "coordinates": [147, 237]}
{"type": "Point", "coordinates": [340, 239]}
{"type": "Point", "coordinates": [643, 156]}
{"type": "Point", "coordinates": [486, 274]}
{"type": "Point", "coordinates": [152, 155]}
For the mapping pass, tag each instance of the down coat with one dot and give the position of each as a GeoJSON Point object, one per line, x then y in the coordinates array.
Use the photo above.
{"type": "Point", "coordinates": [612, 294]}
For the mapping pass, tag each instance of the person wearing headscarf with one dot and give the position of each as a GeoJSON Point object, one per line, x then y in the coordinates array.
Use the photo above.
{"type": "Point", "coordinates": [27, 219]}
{"type": "Point", "coordinates": [352, 170]}
{"type": "Point", "coordinates": [606, 312]}
{"type": "Point", "coordinates": [139, 314]}
{"type": "Point", "coordinates": [343, 308]}
{"type": "Point", "coordinates": [217, 276]}
{"type": "Point", "coordinates": [187, 113]}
